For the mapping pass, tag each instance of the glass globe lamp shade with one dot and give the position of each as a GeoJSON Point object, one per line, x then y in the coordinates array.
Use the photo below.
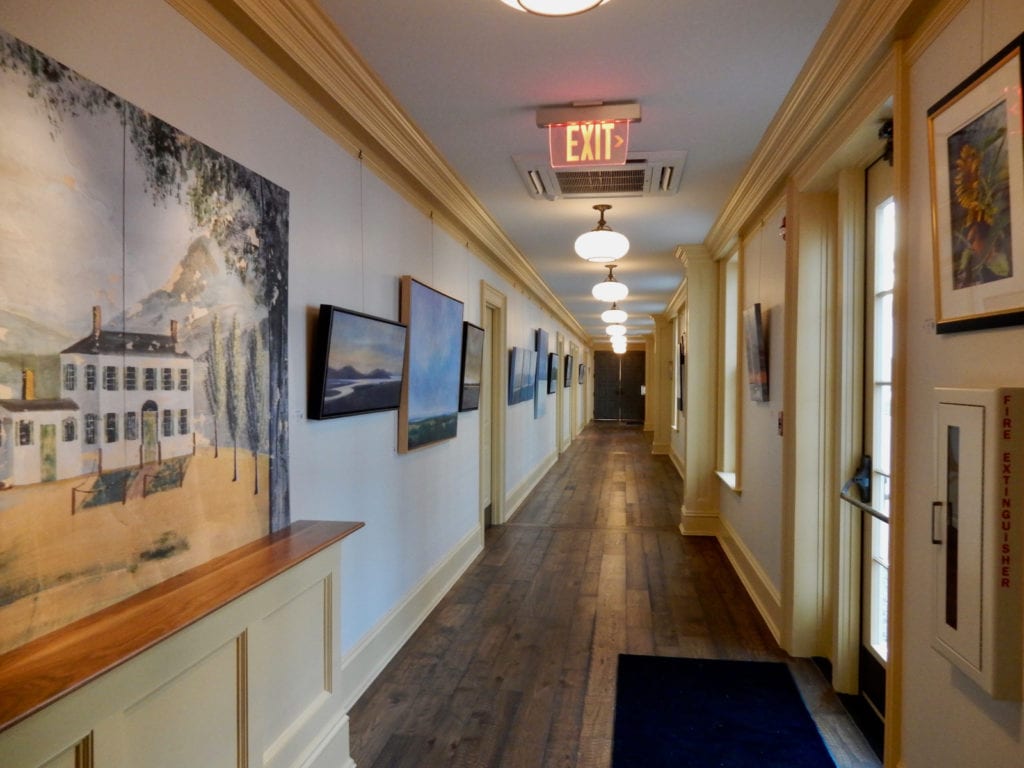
{"type": "Point", "coordinates": [614, 315]}
{"type": "Point", "coordinates": [620, 347]}
{"type": "Point", "coordinates": [601, 246]}
{"type": "Point", "coordinates": [558, 7]}
{"type": "Point", "coordinates": [610, 290]}
{"type": "Point", "coordinates": [615, 330]}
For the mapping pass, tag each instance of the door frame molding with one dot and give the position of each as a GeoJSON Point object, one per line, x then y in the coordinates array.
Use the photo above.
{"type": "Point", "coordinates": [493, 300]}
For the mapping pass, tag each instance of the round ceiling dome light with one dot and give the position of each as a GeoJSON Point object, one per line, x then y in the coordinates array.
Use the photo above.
{"type": "Point", "coordinates": [610, 289]}
{"type": "Point", "coordinates": [614, 315]}
{"type": "Point", "coordinates": [601, 245]}
{"type": "Point", "coordinates": [554, 7]}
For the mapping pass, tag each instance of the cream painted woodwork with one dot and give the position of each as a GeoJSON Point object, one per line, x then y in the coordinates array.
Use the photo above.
{"type": "Point", "coordinates": [494, 306]}
{"type": "Point", "coordinates": [700, 499]}
{"type": "Point", "coordinates": [255, 683]}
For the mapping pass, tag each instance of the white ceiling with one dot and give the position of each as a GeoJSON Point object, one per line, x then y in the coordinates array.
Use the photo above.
{"type": "Point", "coordinates": [709, 76]}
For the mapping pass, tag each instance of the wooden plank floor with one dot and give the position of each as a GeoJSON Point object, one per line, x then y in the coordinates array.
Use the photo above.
{"type": "Point", "coordinates": [516, 666]}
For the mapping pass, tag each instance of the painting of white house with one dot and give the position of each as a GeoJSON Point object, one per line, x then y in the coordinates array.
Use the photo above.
{"type": "Point", "coordinates": [143, 382]}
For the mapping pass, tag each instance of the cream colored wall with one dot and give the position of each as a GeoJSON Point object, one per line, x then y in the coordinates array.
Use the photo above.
{"type": "Point", "coordinates": [947, 720]}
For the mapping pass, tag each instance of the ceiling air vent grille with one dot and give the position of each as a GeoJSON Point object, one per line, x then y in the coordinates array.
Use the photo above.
{"type": "Point", "coordinates": [643, 175]}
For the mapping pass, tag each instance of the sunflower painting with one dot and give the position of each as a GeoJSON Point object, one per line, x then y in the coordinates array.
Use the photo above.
{"type": "Point", "coordinates": [980, 201]}
{"type": "Point", "coordinates": [977, 190]}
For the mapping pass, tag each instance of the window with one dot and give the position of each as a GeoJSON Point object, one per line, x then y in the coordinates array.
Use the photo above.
{"type": "Point", "coordinates": [168, 422]}
{"type": "Point", "coordinates": [70, 429]}
{"type": "Point", "coordinates": [168, 378]}
{"type": "Point", "coordinates": [183, 421]}
{"type": "Point", "coordinates": [880, 413]}
{"type": "Point", "coordinates": [90, 428]}
{"type": "Point", "coordinates": [110, 378]}
{"type": "Point", "coordinates": [110, 427]}
{"type": "Point", "coordinates": [131, 425]}
{"type": "Point", "coordinates": [183, 381]}
{"type": "Point", "coordinates": [149, 381]}
{"type": "Point", "coordinates": [25, 432]}
{"type": "Point", "coordinates": [131, 378]}
{"type": "Point", "coordinates": [90, 377]}
{"type": "Point", "coordinates": [729, 424]}
{"type": "Point", "coordinates": [70, 376]}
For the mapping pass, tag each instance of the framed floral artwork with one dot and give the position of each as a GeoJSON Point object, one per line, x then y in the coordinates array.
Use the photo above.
{"type": "Point", "coordinates": [977, 192]}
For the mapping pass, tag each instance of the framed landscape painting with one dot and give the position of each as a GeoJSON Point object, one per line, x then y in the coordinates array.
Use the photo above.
{"type": "Point", "coordinates": [472, 366]}
{"type": "Point", "coordinates": [977, 191]}
{"type": "Point", "coordinates": [357, 366]}
{"type": "Point", "coordinates": [567, 371]}
{"type": "Point", "coordinates": [552, 372]}
{"type": "Point", "coordinates": [541, 349]}
{"type": "Point", "coordinates": [754, 325]}
{"type": "Point", "coordinates": [429, 406]}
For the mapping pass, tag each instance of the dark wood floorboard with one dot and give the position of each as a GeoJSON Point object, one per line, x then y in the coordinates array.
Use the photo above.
{"type": "Point", "coordinates": [516, 666]}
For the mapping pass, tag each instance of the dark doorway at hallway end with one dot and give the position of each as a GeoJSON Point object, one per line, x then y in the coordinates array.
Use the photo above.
{"type": "Point", "coordinates": [619, 386]}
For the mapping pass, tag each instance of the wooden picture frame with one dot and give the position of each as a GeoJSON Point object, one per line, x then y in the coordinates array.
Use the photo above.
{"type": "Point", "coordinates": [976, 168]}
{"type": "Point", "coordinates": [358, 364]}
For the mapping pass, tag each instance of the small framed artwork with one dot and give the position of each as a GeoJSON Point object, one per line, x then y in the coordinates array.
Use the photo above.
{"type": "Point", "coordinates": [429, 409]}
{"type": "Point", "coordinates": [567, 373]}
{"type": "Point", "coordinates": [541, 365]}
{"type": "Point", "coordinates": [515, 375]}
{"type": "Point", "coordinates": [472, 366]}
{"type": "Point", "coordinates": [583, 369]}
{"type": "Point", "coordinates": [552, 372]}
{"type": "Point", "coordinates": [755, 323]}
{"type": "Point", "coordinates": [357, 366]}
{"type": "Point", "coordinates": [976, 161]}
{"type": "Point", "coordinates": [681, 400]}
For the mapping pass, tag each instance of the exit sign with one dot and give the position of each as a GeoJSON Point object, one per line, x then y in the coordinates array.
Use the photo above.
{"type": "Point", "coordinates": [584, 144]}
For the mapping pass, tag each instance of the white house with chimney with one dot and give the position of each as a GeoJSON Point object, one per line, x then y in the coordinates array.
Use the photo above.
{"type": "Point", "coordinates": [126, 399]}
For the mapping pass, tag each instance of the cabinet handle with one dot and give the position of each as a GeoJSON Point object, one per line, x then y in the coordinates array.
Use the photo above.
{"type": "Point", "coordinates": [937, 506]}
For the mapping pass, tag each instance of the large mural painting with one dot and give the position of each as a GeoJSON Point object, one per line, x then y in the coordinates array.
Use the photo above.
{"type": "Point", "coordinates": [143, 360]}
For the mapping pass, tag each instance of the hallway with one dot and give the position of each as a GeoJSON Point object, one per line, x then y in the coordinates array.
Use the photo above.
{"type": "Point", "coordinates": [516, 666]}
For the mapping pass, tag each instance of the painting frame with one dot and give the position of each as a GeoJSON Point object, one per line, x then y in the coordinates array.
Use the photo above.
{"type": "Point", "coordinates": [345, 339]}
{"type": "Point", "coordinates": [429, 408]}
{"type": "Point", "coordinates": [472, 367]}
{"type": "Point", "coordinates": [977, 197]}
{"type": "Point", "coordinates": [567, 371]}
{"type": "Point", "coordinates": [755, 326]}
{"type": "Point", "coordinates": [552, 372]}
{"type": "Point", "coordinates": [540, 364]}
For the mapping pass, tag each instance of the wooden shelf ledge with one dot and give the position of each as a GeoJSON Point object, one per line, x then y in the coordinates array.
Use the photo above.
{"type": "Point", "coordinates": [43, 670]}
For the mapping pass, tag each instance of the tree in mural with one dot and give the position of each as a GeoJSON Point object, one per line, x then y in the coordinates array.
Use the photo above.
{"type": "Point", "coordinates": [256, 400]}
{"type": "Point", "coordinates": [244, 213]}
{"type": "Point", "coordinates": [234, 391]}
{"type": "Point", "coordinates": [215, 375]}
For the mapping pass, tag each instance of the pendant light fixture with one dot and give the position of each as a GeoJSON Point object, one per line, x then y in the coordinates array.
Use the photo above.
{"type": "Point", "coordinates": [615, 330]}
{"type": "Point", "coordinates": [601, 244]}
{"type": "Point", "coordinates": [610, 289]}
{"type": "Point", "coordinates": [619, 345]}
{"type": "Point", "coordinates": [554, 7]}
{"type": "Point", "coordinates": [614, 315]}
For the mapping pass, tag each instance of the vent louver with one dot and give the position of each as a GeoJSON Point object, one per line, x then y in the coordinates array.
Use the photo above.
{"type": "Point", "coordinates": [643, 175]}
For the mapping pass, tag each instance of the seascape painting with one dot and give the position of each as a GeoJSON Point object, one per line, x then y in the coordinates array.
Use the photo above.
{"type": "Point", "coordinates": [358, 364]}
{"type": "Point", "coordinates": [552, 372]}
{"type": "Point", "coordinates": [429, 408]}
{"type": "Point", "coordinates": [540, 389]}
{"type": "Point", "coordinates": [143, 358]}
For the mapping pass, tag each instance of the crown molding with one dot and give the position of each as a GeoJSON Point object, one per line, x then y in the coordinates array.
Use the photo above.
{"type": "Point", "coordinates": [856, 39]}
{"type": "Point", "coordinates": [297, 51]}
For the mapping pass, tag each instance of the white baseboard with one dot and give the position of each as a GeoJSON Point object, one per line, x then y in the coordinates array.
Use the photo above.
{"type": "Point", "coordinates": [364, 662]}
{"type": "Point", "coordinates": [699, 523]}
{"type": "Point", "coordinates": [519, 494]}
{"type": "Point", "coordinates": [660, 449]}
{"type": "Point", "coordinates": [760, 588]}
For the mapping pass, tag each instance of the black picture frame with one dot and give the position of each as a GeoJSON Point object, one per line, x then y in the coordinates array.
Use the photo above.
{"type": "Point", "coordinates": [472, 366]}
{"type": "Point", "coordinates": [583, 370]}
{"type": "Point", "coordinates": [349, 348]}
{"type": "Point", "coordinates": [552, 372]}
{"type": "Point", "coordinates": [567, 372]}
